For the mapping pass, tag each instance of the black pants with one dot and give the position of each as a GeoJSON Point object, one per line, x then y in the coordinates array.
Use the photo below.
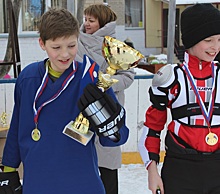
{"type": "Point", "coordinates": [187, 171]}
{"type": "Point", "coordinates": [110, 180]}
{"type": "Point", "coordinates": [199, 175]}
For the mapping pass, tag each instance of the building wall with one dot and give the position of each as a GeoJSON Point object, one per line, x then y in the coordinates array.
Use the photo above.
{"type": "Point", "coordinates": [153, 24]}
{"type": "Point", "coordinates": [30, 50]}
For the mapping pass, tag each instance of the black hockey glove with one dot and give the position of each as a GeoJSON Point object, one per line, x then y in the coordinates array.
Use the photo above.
{"type": "Point", "coordinates": [10, 183]}
{"type": "Point", "coordinates": [104, 114]}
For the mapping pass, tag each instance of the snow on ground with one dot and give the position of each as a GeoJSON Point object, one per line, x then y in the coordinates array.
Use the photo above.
{"type": "Point", "coordinates": [140, 71]}
{"type": "Point", "coordinates": [133, 178]}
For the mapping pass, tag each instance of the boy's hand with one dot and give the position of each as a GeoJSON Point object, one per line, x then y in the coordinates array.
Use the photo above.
{"type": "Point", "coordinates": [104, 114]}
{"type": "Point", "coordinates": [10, 183]}
{"type": "Point", "coordinates": [154, 179]}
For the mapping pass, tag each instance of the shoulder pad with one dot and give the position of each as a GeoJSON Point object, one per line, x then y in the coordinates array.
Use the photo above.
{"type": "Point", "coordinates": [164, 77]}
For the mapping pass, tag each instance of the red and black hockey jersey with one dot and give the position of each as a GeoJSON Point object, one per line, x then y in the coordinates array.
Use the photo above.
{"type": "Point", "coordinates": [172, 89]}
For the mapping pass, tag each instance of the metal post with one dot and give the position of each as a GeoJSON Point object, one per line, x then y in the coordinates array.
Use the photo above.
{"type": "Point", "coordinates": [171, 31]}
{"type": "Point", "coordinates": [12, 37]}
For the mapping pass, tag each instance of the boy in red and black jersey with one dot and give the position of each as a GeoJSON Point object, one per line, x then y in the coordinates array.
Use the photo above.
{"type": "Point", "coordinates": [191, 92]}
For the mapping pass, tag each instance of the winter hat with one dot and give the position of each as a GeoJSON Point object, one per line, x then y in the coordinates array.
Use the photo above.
{"type": "Point", "coordinates": [199, 22]}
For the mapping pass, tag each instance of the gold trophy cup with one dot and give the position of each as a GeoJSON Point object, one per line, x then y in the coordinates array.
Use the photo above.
{"type": "Point", "coordinates": [119, 56]}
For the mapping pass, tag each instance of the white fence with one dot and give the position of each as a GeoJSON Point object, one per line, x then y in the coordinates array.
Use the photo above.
{"type": "Point", "coordinates": [136, 104]}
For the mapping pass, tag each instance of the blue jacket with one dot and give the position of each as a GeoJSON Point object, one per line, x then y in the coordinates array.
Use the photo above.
{"type": "Point", "coordinates": [56, 163]}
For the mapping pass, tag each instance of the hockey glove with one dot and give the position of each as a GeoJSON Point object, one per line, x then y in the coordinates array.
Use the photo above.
{"type": "Point", "coordinates": [10, 183]}
{"type": "Point", "coordinates": [104, 114]}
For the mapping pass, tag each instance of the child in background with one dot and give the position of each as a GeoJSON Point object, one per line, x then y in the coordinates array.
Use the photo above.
{"type": "Point", "coordinates": [191, 91]}
{"type": "Point", "coordinates": [48, 95]}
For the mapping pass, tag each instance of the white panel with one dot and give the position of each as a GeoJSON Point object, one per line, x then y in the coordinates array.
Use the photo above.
{"type": "Point", "coordinates": [9, 88]}
{"type": "Point", "coordinates": [131, 104]}
{"type": "Point", "coordinates": [143, 103]}
{"type": "Point", "coordinates": [2, 98]}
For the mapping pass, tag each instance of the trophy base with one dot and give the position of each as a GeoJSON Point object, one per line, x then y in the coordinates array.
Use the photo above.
{"type": "Point", "coordinates": [76, 135]}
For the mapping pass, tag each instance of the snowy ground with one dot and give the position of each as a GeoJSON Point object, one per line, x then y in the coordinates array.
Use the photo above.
{"type": "Point", "coordinates": [133, 179]}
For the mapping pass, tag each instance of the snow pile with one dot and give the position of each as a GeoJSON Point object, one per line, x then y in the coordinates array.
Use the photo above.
{"type": "Point", "coordinates": [157, 59]}
{"type": "Point", "coordinates": [140, 71]}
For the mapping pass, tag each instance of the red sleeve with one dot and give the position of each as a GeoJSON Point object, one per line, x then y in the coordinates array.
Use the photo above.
{"type": "Point", "coordinates": [155, 119]}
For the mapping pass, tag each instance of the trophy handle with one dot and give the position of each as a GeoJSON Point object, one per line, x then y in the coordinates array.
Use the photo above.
{"type": "Point", "coordinates": [81, 124]}
{"type": "Point", "coordinates": [110, 70]}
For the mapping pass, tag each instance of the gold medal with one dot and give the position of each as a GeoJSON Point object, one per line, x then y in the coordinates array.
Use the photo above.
{"type": "Point", "coordinates": [211, 139]}
{"type": "Point", "coordinates": [35, 134]}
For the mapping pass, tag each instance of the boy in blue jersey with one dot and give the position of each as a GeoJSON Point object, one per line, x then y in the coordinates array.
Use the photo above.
{"type": "Point", "coordinates": [49, 95]}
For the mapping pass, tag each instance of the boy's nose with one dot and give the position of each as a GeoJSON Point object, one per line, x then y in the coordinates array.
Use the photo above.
{"type": "Point", "coordinates": [64, 53]}
{"type": "Point", "coordinates": [216, 45]}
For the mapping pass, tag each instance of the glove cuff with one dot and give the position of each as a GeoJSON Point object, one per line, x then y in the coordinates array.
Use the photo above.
{"type": "Point", "coordinates": [10, 183]}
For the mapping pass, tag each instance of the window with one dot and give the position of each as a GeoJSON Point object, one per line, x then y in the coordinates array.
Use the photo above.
{"type": "Point", "coordinates": [134, 13]}
{"type": "Point", "coordinates": [3, 17]}
{"type": "Point", "coordinates": [33, 9]}
{"type": "Point", "coordinates": [59, 3]}
{"type": "Point", "coordinates": [30, 13]}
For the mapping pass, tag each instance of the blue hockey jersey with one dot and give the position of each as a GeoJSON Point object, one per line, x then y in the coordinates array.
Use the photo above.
{"type": "Point", "coordinates": [56, 163]}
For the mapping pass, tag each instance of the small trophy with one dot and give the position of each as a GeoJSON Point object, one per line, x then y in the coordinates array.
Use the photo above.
{"type": "Point", "coordinates": [3, 120]}
{"type": "Point", "coordinates": [119, 56]}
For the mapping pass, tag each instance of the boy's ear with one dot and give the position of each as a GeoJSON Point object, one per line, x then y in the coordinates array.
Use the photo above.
{"type": "Point", "coordinates": [41, 43]}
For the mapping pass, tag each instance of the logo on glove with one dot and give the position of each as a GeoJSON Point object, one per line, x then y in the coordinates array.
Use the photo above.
{"type": "Point", "coordinates": [3, 183]}
{"type": "Point", "coordinates": [113, 123]}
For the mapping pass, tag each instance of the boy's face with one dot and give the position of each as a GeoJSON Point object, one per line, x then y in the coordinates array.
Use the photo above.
{"type": "Point", "coordinates": [207, 49]}
{"type": "Point", "coordinates": [61, 51]}
{"type": "Point", "coordinates": [91, 24]}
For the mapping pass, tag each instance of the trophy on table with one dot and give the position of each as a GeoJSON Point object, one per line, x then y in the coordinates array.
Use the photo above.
{"type": "Point", "coordinates": [119, 56]}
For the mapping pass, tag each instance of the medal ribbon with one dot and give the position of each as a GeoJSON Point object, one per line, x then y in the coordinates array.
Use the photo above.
{"type": "Point", "coordinates": [54, 97]}
{"type": "Point", "coordinates": [206, 114]}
